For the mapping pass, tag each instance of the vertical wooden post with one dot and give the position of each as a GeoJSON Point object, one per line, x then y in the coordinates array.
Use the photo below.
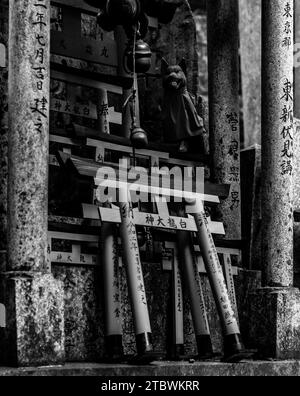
{"type": "Point", "coordinates": [233, 346]}
{"type": "Point", "coordinates": [135, 276]}
{"type": "Point", "coordinates": [194, 287]}
{"type": "Point", "coordinates": [112, 296]}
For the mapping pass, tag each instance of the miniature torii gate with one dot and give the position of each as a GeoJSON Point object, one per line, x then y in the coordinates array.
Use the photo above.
{"type": "Point", "coordinates": [196, 221]}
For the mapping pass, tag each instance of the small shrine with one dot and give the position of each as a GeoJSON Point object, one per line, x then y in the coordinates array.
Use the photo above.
{"type": "Point", "coordinates": [132, 207]}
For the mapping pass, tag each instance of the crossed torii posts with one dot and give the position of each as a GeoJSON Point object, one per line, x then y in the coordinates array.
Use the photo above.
{"type": "Point", "coordinates": [128, 218]}
{"type": "Point", "coordinates": [192, 219]}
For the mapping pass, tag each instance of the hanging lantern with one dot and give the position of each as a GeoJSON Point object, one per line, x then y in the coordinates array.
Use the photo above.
{"type": "Point", "coordinates": [142, 57]}
{"type": "Point", "coordinates": [123, 11]}
{"type": "Point", "coordinates": [139, 139]}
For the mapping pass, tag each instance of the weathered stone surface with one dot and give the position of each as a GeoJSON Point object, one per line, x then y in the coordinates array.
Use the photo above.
{"type": "Point", "coordinates": [277, 143]}
{"type": "Point", "coordinates": [29, 67]}
{"type": "Point", "coordinates": [250, 49]}
{"type": "Point", "coordinates": [224, 108]}
{"type": "Point", "coordinates": [246, 283]}
{"type": "Point", "coordinates": [297, 59]}
{"type": "Point", "coordinates": [158, 291]}
{"type": "Point", "coordinates": [201, 50]}
{"type": "Point", "coordinates": [83, 312]}
{"type": "Point", "coordinates": [274, 314]}
{"type": "Point", "coordinates": [3, 129]}
{"type": "Point", "coordinates": [165, 369]}
{"type": "Point", "coordinates": [297, 202]}
{"type": "Point", "coordinates": [34, 333]}
{"type": "Point", "coordinates": [251, 206]}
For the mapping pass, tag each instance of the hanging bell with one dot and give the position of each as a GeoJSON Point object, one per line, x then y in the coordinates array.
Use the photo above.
{"type": "Point", "coordinates": [139, 139]}
{"type": "Point", "coordinates": [143, 56]}
{"type": "Point", "coordinates": [123, 11]}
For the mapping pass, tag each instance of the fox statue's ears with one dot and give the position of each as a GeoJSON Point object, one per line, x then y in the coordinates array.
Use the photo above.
{"type": "Point", "coordinates": [164, 66]}
{"type": "Point", "coordinates": [183, 65]}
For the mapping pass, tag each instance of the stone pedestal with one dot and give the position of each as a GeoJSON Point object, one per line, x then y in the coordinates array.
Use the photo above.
{"type": "Point", "coordinates": [274, 314]}
{"type": "Point", "coordinates": [34, 332]}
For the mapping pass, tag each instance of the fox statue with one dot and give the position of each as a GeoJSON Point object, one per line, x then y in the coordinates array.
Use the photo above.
{"type": "Point", "coordinates": [181, 122]}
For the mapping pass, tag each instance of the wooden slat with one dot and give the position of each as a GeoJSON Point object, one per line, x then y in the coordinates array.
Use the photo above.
{"type": "Point", "coordinates": [80, 4]}
{"type": "Point", "coordinates": [150, 220]}
{"type": "Point", "coordinates": [126, 149]}
{"type": "Point", "coordinates": [89, 168]}
{"type": "Point", "coordinates": [73, 237]}
{"type": "Point", "coordinates": [64, 140]}
{"type": "Point", "coordinates": [159, 147]}
{"type": "Point", "coordinates": [84, 81]}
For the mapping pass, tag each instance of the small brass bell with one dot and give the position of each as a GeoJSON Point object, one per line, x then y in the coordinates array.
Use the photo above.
{"type": "Point", "coordinates": [143, 56]}
{"type": "Point", "coordinates": [139, 139]}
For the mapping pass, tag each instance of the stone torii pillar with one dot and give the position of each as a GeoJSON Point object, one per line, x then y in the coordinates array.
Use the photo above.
{"type": "Point", "coordinates": [34, 333]}
{"type": "Point", "coordinates": [3, 130]}
{"type": "Point", "coordinates": [224, 107]}
{"type": "Point", "coordinates": [275, 309]}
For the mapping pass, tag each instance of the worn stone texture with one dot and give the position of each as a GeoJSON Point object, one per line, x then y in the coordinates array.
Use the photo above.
{"type": "Point", "coordinates": [274, 314]}
{"type": "Point", "coordinates": [277, 145]}
{"type": "Point", "coordinates": [297, 202]}
{"type": "Point", "coordinates": [251, 206]}
{"type": "Point", "coordinates": [34, 333]}
{"type": "Point", "coordinates": [224, 109]}
{"type": "Point", "coordinates": [297, 59]}
{"type": "Point", "coordinates": [83, 312]}
{"type": "Point", "coordinates": [164, 369]}
{"type": "Point", "coordinates": [28, 134]}
{"type": "Point", "coordinates": [250, 50]}
{"type": "Point", "coordinates": [201, 50]}
{"type": "Point", "coordinates": [246, 283]}
{"type": "Point", "coordinates": [3, 130]}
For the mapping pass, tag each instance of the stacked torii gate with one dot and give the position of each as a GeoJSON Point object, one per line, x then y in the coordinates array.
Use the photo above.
{"type": "Point", "coordinates": [26, 286]}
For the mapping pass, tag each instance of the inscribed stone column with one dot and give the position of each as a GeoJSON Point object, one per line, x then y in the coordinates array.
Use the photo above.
{"type": "Point", "coordinates": [223, 66]}
{"type": "Point", "coordinates": [297, 59]}
{"type": "Point", "coordinates": [3, 129]}
{"type": "Point", "coordinates": [34, 333]}
{"type": "Point", "coordinates": [277, 142]}
{"type": "Point", "coordinates": [275, 309]}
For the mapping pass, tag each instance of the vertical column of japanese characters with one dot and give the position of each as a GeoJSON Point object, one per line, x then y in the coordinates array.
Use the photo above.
{"type": "Point", "coordinates": [29, 86]}
{"type": "Point", "coordinates": [277, 142]}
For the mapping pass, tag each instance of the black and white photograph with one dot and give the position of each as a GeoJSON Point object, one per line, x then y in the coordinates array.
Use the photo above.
{"type": "Point", "coordinates": [149, 191]}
